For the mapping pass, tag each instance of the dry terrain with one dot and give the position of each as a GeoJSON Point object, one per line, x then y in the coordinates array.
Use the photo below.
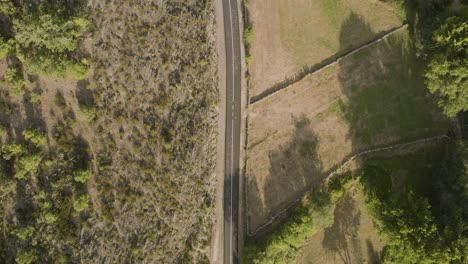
{"type": "Point", "coordinates": [373, 98]}
{"type": "Point", "coordinates": [123, 166]}
{"type": "Point", "coordinates": [290, 35]}
{"type": "Point", "coordinates": [351, 239]}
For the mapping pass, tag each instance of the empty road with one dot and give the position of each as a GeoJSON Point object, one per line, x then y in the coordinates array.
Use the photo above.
{"type": "Point", "coordinates": [232, 136]}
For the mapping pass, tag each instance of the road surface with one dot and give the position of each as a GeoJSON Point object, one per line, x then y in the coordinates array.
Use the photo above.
{"type": "Point", "coordinates": [232, 136]}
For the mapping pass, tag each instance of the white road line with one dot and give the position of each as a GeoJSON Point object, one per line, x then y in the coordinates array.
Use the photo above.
{"type": "Point", "coordinates": [232, 120]}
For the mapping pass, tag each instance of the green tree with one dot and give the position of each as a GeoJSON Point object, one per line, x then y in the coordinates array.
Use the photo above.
{"type": "Point", "coordinates": [447, 73]}
{"type": "Point", "coordinates": [45, 42]}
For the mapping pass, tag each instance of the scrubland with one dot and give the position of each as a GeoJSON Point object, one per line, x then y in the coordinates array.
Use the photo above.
{"type": "Point", "coordinates": [112, 161]}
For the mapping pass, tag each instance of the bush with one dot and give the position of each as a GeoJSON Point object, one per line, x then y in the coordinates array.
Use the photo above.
{"type": "Point", "coordinates": [6, 48]}
{"type": "Point", "coordinates": [34, 98]}
{"type": "Point", "coordinates": [82, 176]}
{"type": "Point", "coordinates": [35, 136]}
{"type": "Point", "coordinates": [10, 150]}
{"type": "Point", "coordinates": [26, 257]}
{"type": "Point", "coordinates": [18, 84]}
{"type": "Point", "coordinates": [81, 203]}
{"type": "Point", "coordinates": [28, 165]}
{"type": "Point", "coordinates": [88, 112]}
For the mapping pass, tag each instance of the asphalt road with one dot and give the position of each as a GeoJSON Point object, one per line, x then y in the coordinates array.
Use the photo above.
{"type": "Point", "coordinates": [232, 136]}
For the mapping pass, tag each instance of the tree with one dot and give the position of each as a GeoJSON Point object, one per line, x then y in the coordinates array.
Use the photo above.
{"type": "Point", "coordinates": [447, 74]}
{"type": "Point", "coordinates": [45, 42]}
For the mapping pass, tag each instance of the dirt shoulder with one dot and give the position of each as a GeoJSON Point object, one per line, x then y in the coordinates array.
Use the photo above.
{"type": "Point", "coordinates": [217, 246]}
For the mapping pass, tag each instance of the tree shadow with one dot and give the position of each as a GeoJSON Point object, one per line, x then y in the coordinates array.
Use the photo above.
{"type": "Point", "coordinates": [373, 256]}
{"type": "Point", "coordinates": [83, 94]}
{"type": "Point", "coordinates": [294, 167]}
{"type": "Point", "coordinates": [342, 236]}
{"type": "Point", "coordinates": [385, 100]}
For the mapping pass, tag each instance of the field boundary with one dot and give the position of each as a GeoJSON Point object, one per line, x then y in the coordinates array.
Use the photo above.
{"type": "Point", "coordinates": [310, 70]}
{"type": "Point", "coordinates": [333, 173]}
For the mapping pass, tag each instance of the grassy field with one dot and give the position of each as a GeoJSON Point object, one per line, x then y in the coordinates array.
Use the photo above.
{"type": "Point", "coordinates": [289, 35]}
{"type": "Point", "coordinates": [343, 227]}
{"type": "Point", "coordinates": [373, 98]}
{"type": "Point", "coordinates": [352, 238]}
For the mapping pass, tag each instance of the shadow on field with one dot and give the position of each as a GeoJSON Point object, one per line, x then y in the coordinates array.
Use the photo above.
{"type": "Point", "coordinates": [385, 97]}
{"type": "Point", "coordinates": [293, 168]}
{"type": "Point", "coordinates": [342, 236]}
{"type": "Point", "coordinates": [385, 103]}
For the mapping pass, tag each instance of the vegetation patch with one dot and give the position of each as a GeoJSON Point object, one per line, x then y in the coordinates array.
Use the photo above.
{"type": "Point", "coordinates": [315, 212]}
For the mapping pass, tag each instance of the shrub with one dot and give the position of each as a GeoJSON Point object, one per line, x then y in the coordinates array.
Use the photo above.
{"type": "Point", "coordinates": [28, 165]}
{"type": "Point", "coordinates": [82, 176]}
{"type": "Point", "coordinates": [88, 113]}
{"type": "Point", "coordinates": [26, 257]}
{"type": "Point", "coordinates": [34, 98]}
{"type": "Point", "coordinates": [18, 84]}
{"type": "Point", "coordinates": [6, 48]}
{"type": "Point", "coordinates": [81, 203]}
{"type": "Point", "coordinates": [35, 136]}
{"type": "Point", "coordinates": [248, 35]}
{"type": "Point", "coordinates": [7, 8]}
{"type": "Point", "coordinates": [25, 233]}
{"type": "Point", "coordinates": [10, 150]}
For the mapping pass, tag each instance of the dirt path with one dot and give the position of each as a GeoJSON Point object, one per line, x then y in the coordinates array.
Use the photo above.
{"type": "Point", "coordinates": [309, 70]}
{"type": "Point", "coordinates": [340, 169]}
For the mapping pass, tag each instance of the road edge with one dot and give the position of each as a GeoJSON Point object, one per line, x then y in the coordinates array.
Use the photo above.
{"type": "Point", "coordinates": [243, 129]}
{"type": "Point", "coordinates": [217, 247]}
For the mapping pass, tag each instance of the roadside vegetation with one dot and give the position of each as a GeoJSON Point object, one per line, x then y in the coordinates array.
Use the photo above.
{"type": "Point", "coordinates": [315, 212]}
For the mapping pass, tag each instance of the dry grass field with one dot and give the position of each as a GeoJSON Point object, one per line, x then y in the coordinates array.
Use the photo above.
{"type": "Point", "coordinates": [290, 35]}
{"type": "Point", "coordinates": [120, 167]}
{"type": "Point", "coordinates": [351, 239]}
{"type": "Point", "coordinates": [375, 97]}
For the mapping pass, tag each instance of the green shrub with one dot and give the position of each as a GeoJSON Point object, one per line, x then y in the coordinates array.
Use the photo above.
{"type": "Point", "coordinates": [81, 203]}
{"type": "Point", "coordinates": [25, 233]}
{"type": "Point", "coordinates": [35, 136]}
{"type": "Point", "coordinates": [27, 165]}
{"type": "Point", "coordinates": [248, 35]}
{"type": "Point", "coordinates": [82, 176]}
{"type": "Point", "coordinates": [88, 112]}
{"type": "Point", "coordinates": [26, 257]}
{"type": "Point", "coordinates": [18, 84]}
{"type": "Point", "coordinates": [6, 48]}
{"type": "Point", "coordinates": [7, 8]}
{"type": "Point", "coordinates": [34, 98]}
{"type": "Point", "coordinates": [10, 150]}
